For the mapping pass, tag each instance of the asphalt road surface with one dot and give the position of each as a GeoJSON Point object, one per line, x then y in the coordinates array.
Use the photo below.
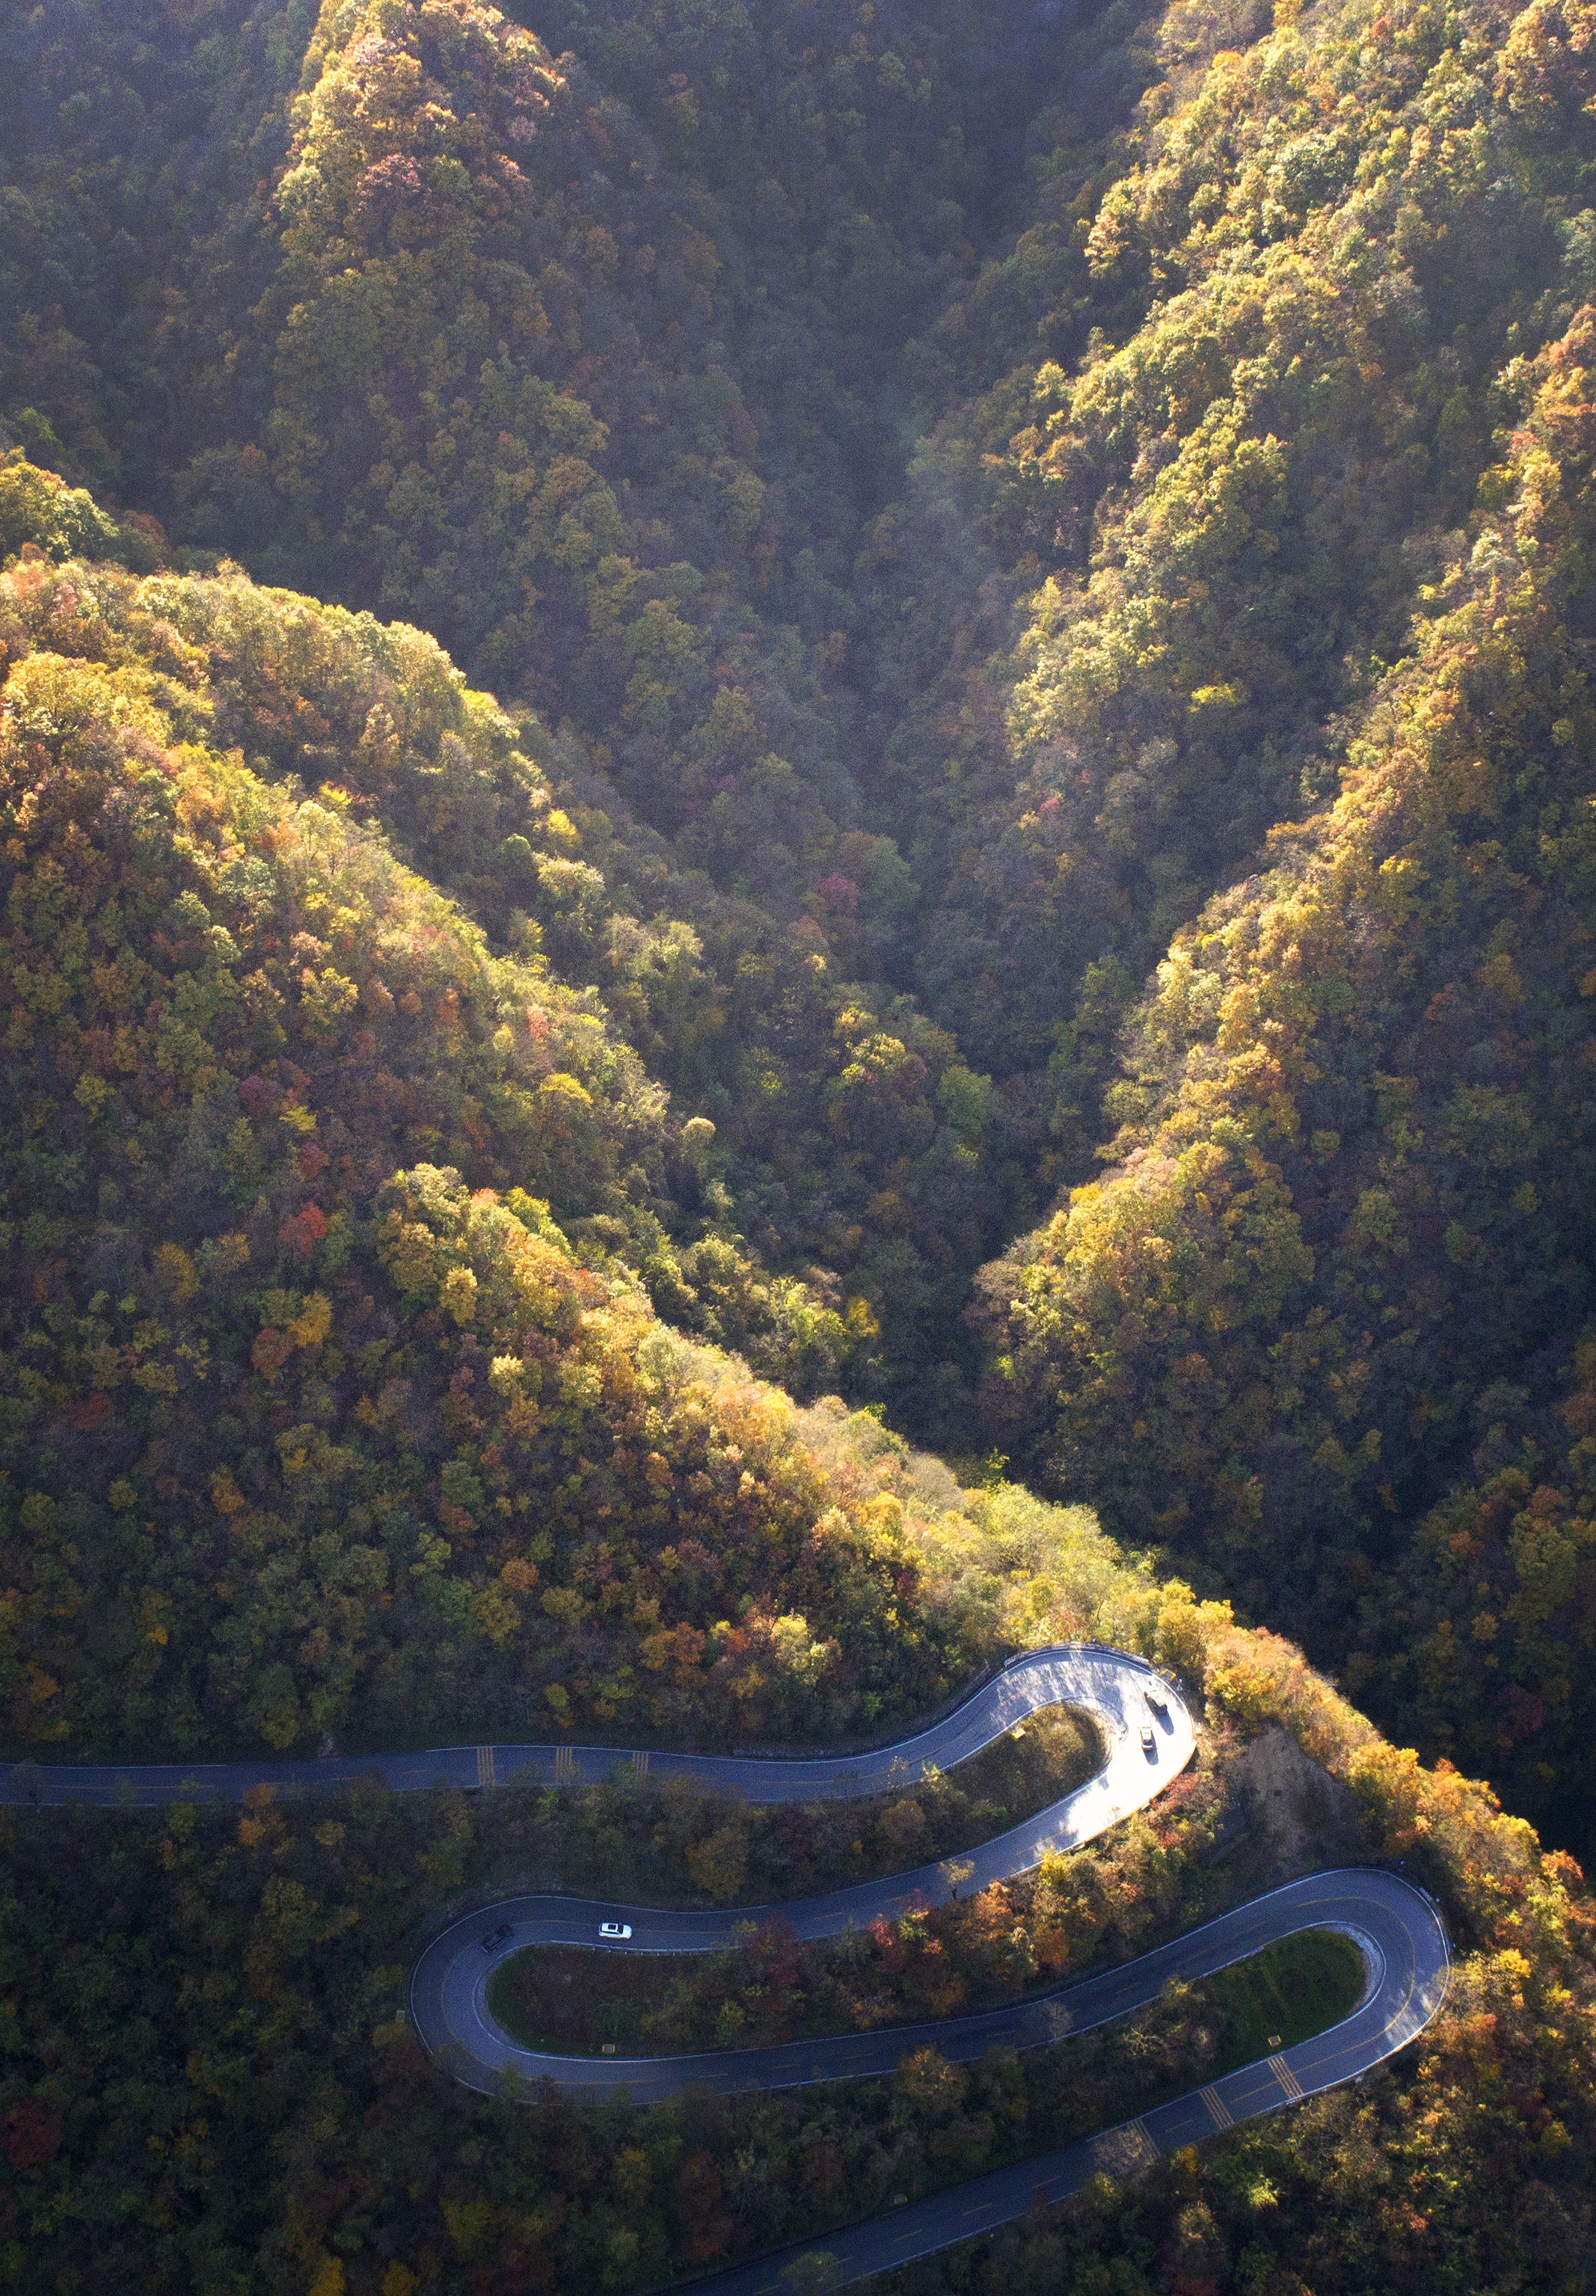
{"type": "Point", "coordinates": [1398, 1933]}
{"type": "Point", "coordinates": [1398, 1930]}
{"type": "Point", "coordinates": [1099, 1682]}
{"type": "Point", "coordinates": [1123, 1697]}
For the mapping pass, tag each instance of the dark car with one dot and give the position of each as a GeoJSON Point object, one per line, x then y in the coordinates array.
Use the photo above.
{"type": "Point", "coordinates": [496, 1938]}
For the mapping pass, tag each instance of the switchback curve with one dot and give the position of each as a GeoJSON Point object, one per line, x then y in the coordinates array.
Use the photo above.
{"type": "Point", "coordinates": [1398, 1930]}
{"type": "Point", "coordinates": [1084, 1675]}
{"type": "Point", "coordinates": [1123, 1697]}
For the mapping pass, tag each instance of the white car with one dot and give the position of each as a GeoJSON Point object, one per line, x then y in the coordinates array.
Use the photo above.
{"type": "Point", "coordinates": [615, 1929]}
{"type": "Point", "coordinates": [1149, 1745]}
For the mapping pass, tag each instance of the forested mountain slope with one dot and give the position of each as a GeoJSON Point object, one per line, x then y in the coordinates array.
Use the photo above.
{"type": "Point", "coordinates": [455, 333]}
{"type": "Point", "coordinates": [311, 1414]}
{"type": "Point", "coordinates": [208, 2082]}
{"type": "Point", "coordinates": [1353, 1200]}
{"type": "Point", "coordinates": [1241, 390]}
{"type": "Point", "coordinates": [1347, 1238]}
{"type": "Point", "coordinates": [597, 346]}
{"type": "Point", "coordinates": [666, 665]}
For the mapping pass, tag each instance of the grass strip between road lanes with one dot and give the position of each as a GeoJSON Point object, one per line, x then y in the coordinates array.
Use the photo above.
{"type": "Point", "coordinates": [573, 2000]}
{"type": "Point", "coordinates": [1296, 1988]}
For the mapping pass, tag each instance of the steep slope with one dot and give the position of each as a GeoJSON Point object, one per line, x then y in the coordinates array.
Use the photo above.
{"type": "Point", "coordinates": [845, 1170]}
{"type": "Point", "coordinates": [1233, 391]}
{"type": "Point", "coordinates": [491, 333]}
{"type": "Point", "coordinates": [539, 348]}
{"type": "Point", "coordinates": [313, 1421]}
{"type": "Point", "coordinates": [206, 2023]}
{"type": "Point", "coordinates": [1499, 1581]}
{"type": "Point", "coordinates": [344, 1197]}
{"type": "Point", "coordinates": [1348, 1232]}
{"type": "Point", "coordinates": [588, 362]}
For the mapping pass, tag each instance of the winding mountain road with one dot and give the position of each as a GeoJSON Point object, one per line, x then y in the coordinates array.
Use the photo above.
{"type": "Point", "coordinates": [1397, 1930]}
{"type": "Point", "coordinates": [1122, 1695]}
{"type": "Point", "coordinates": [1096, 1680]}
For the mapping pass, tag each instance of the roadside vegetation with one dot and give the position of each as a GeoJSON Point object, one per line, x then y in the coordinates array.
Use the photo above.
{"type": "Point", "coordinates": [1293, 1989]}
{"type": "Point", "coordinates": [729, 731]}
{"type": "Point", "coordinates": [769, 1986]}
{"type": "Point", "coordinates": [209, 2020]}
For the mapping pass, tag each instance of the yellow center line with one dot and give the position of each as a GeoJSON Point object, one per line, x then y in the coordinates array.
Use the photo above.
{"type": "Point", "coordinates": [1220, 2111]}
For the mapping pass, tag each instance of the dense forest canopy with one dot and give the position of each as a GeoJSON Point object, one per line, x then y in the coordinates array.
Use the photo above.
{"type": "Point", "coordinates": [931, 512]}
{"type": "Point", "coordinates": [731, 732]}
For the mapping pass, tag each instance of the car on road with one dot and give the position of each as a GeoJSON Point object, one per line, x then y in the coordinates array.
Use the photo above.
{"type": "Point", "coordinates": [1149, 1745]}
{"type": "Point", "coordinates": [615, 1929]}
{"type": "Point", "coordinates": [496, 1938]}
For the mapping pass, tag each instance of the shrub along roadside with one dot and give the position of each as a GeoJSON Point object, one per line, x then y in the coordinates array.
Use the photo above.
{"type": "Point", "coordinates": [769, 1988]}
{"type": "Point", "coordinates": [196, 1996]}
{"type": "Point", "coordinates": [205, 2015]}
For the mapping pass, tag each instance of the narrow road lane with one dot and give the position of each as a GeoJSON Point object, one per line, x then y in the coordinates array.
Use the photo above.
{"type": "Point", "coordinates": [1398, 1933]}
{"type": "Point", "coordinates": [1123, 1697]}
{"type": "Point", "coordinates": [1148, 1737]}
{"type": "Point", "coordinates": [1397, 1930]}
{"type": "Point", "coordinates": [1101, 1682]}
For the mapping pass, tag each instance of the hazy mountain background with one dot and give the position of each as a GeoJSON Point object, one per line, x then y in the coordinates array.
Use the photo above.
{"type": "Point", "coordinates": [728, 722]}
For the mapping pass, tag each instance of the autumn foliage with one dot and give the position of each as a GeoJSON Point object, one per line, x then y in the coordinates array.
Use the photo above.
{"type": "Point", "coordinates": [729, 733]}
